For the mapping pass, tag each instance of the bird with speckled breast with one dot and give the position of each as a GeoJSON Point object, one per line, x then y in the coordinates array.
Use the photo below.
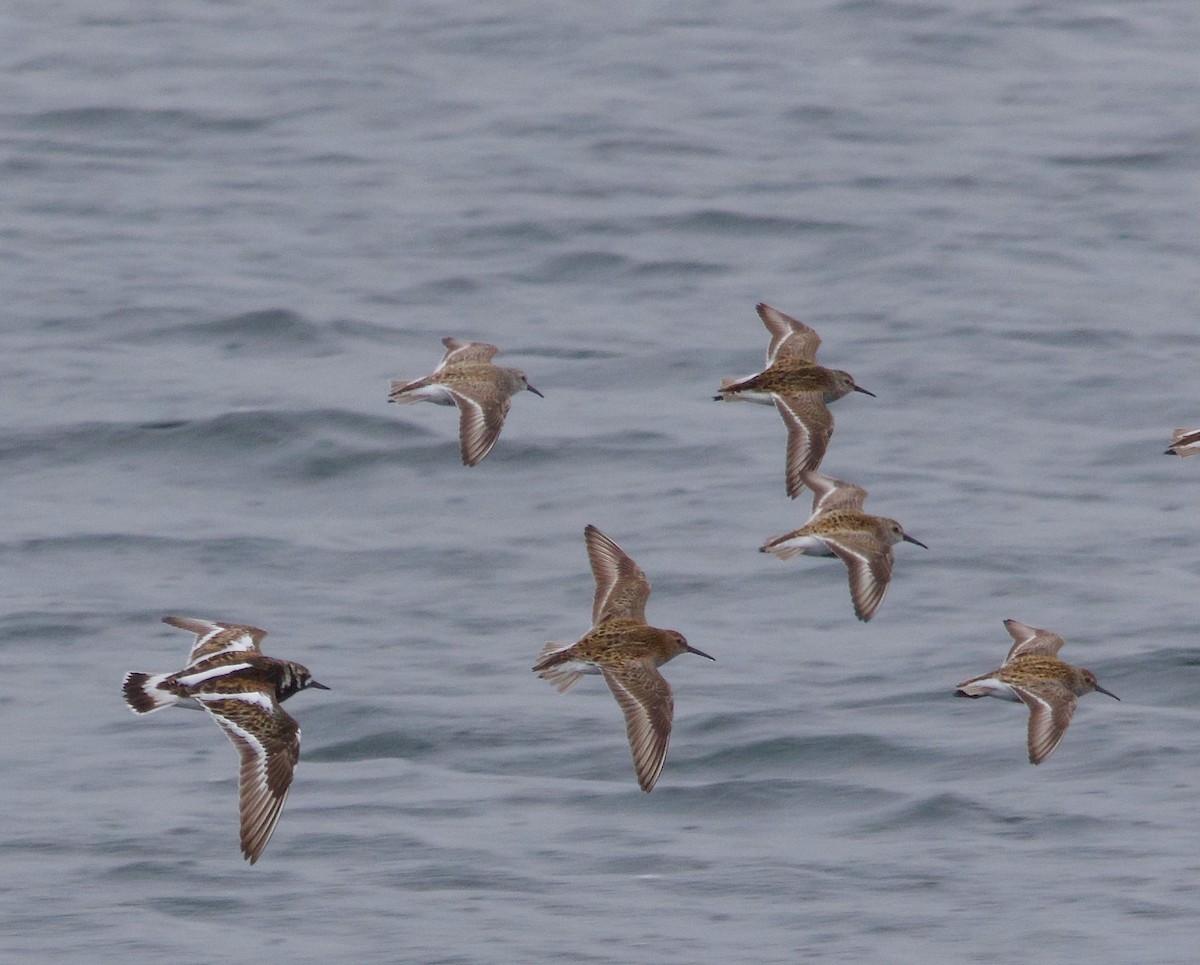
{"type": "Point", "coordinates": [799, 388]}
{"type": "Point", "coordinates": [1032, 674]}
{"type": "Point", "coordinates": [627, 651]}
{"type": "Point", "coordinates": [839, 527]}
{"type": "Point", "coordinates": [482, 391]}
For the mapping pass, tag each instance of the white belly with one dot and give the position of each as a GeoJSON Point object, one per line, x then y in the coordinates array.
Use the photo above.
{"type": "Point", "coordinates": [431, 393]}
{"type": "Point", "coordinates": [807, 545]}
{"type": "Point", "coordinates": [577, 666]}
{"type": "Point", "coordinates": [762, 398]}
{"type": "Point", "coordinates": [437, 395]}
{"type": "Point", "coordinates": [991, 687]}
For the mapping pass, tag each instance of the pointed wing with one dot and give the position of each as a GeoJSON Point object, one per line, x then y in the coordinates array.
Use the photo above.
{"type": "Point", "coordinates": [1185, 442]}
{"type": "Point", "coordinates": [645, 698]}
{"type": "Point", "coordinates": [809, 426]}
{"type": "Point", "coordinates": [789, 337]}
{"type": "Point", "coordinates": [268, 740]}
{"type": "Point", "coordinates": [830, 494]}
{"type": "Point", "coordinates": [1031, 640]}
{"type": "Point", "coordinates": [213, 637]}
{"type": "Point", "coordinates": [869, 562]}
{"type": "Point", "coordinates": [621, 587]}
{"type": "Point", "coordinates": [458, 352]}
{"type": "Point", "coordinates": [1051, 704]}
{"type": "Point", "coordinates": [482, 408]}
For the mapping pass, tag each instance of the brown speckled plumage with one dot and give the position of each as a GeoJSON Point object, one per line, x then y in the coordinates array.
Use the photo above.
{"type": "Point", "coordinates": [482, 391]}
{"type": "Point", "coordinates": [839, 527]}
{"type": "Point", "coordinates": [800, 390]}
{"type": "Point", "coordinates": [1033, 674]}
{"type": "Point", "coordinates": [626, 651]}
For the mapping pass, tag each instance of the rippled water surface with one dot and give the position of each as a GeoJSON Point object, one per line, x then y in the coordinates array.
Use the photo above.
{"type": "Point", "coordinates": [227, 226]}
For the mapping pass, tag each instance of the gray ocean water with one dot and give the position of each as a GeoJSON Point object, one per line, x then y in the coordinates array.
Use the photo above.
{"type": "Point", "coordinates": [226, 226]}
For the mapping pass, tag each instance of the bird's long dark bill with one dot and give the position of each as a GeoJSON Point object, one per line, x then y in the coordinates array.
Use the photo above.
{"type": "Point", "coordinates": [1101, 690]}
{"type": "Point", "coordinates": [313, 683]}
{"type": "Point", "coordinates": [859, 388]}
{"type": "Point", "coordinates": [909, 539]}
{"type": "Point", "coordinates": [701, 653]}
{"type": "Point", "coordinates": [534, 391]}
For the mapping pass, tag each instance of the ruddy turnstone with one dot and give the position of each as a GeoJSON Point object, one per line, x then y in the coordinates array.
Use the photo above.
{"type": "Point", "coordinates": [228, 676]}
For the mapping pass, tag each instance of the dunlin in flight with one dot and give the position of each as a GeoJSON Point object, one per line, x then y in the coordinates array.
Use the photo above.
{"type": "Point", "coordinates": [1185, 442]}
{"type": "Point", "coordinates": [1033, 674]}
{"type": "Point", "coordinates": [627, 651]}
{"type": "Point", "coordinates": [799, 388]}
{"type": "Point", "coordinates": [839, 527]}
{"type": "Point", "coordinates": [482, 391]}
{"type": "Point", "coordinates": [228, 676]}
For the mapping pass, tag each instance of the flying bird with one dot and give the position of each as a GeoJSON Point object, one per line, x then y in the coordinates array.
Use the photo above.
{"type": "Point", "coordinates": [626, 651]}
{"type": "Point", "coordinates": [799, 388]}
{"type": "Point", "coordinates": [839, 527]}
{"type": "Point", "coordinates": [482, 391]}
{"type": "Point", "coordinates": [1033, 674]}
{"type": "Point", "coordinates": [228, 676]}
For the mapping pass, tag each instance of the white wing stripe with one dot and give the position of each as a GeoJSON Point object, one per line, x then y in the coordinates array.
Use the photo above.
{"type": "Point", "coordinates": [244, 642]}
{"type": "Point", "coordinates": [191, 680]}
{"type": "Point", "coordinates": [234, 728]}
{"type": "Point", "coordinates": [254, 697]}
